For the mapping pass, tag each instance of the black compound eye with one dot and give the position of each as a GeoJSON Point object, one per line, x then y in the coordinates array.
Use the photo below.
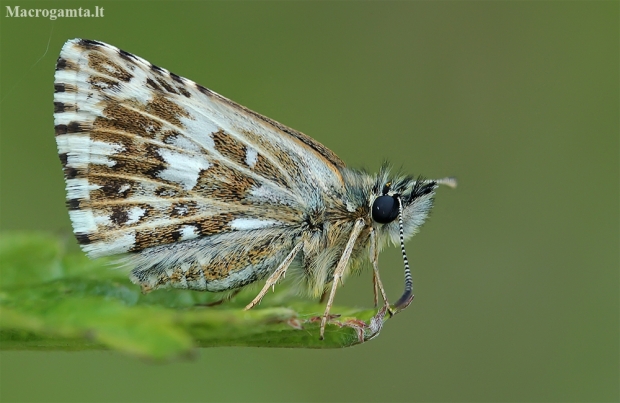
{"type": "Point", "coordinates": [385, 209]}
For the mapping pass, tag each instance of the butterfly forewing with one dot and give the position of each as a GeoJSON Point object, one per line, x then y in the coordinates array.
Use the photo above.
{"type": "Point", "coordinates": [151, 158]}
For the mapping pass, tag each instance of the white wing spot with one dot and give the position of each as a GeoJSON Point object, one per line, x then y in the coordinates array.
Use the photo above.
{"type": "Point", "coordinates": [118, 245]}
{"type": "Point", "coordinates": [79, 188]}
{"type": "Point", "coordinates": [83, 221]}
{"type": "Point", "coordinates": [188, 232]}
{"type": "Point", "coordinates": [263, 193]}
{"type": "Point", "coordinates": [134, 215]}
{"type": "Point", "coordinates": [82, 150]}
{"type": "Point", "coordinates": [251, 156]}
{"type": "Point", "coordinates": [182, 168]}
{"type": "Point", "coordinates": [181, 210]}
{"type": "Point", "coordinates": [184, 143]}
{"type": "Point", "coordinates": [242, 224]}
{"type": "Point", "coordinates": [199, 129]}
{"type": "Point", "coordinates": [102, 220]}
{"type": "Point", "coordinates": [109, 68]}
{"type": "Point", "coordinates": [151, 129]}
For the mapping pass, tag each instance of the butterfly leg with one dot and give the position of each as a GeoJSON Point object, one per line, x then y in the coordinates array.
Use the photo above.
{"type": "Point", "coordinates": [377, 284]}
{"type": "Point", "coordinates": [338, 272]}
{"type": "Point", "coordinates": [375, 291]}
{"type": "Point", "coordinates": [275, 276]}
{"type": "Point", "coordinates": [376, 280]}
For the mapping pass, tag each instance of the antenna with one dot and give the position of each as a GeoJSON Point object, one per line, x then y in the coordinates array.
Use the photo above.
{"type": "Point", "coordinates": [450, 182]}
{"type": "Point", "coordinates": [407, 296]}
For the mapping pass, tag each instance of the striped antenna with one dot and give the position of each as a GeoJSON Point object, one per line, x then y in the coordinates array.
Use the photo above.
{"type": "Point", "coordinates": [407, 296]}
{"type": "Point", "coordinates": [449, 181]}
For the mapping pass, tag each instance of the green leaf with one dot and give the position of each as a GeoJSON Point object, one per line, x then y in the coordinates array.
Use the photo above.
{"type": "Point", "coordinates": [52, 300]}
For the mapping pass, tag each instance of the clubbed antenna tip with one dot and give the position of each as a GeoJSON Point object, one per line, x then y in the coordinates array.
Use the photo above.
{"type": "Point", "coordinates": [450, 181]}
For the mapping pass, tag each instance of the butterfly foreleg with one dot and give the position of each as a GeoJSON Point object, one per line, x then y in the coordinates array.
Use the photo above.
{"type": "Point", "coordinates": [275, 276]}
{"type": "Point", "coordinates": [339, 271]}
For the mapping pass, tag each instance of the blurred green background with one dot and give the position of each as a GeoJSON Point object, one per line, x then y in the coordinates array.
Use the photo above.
{"type": "Point", "coordinates": [516, 272]}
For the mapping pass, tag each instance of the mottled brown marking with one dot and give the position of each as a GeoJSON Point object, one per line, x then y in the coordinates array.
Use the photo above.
{"type": "Point", "coordinates": [72, 127]}
{"type": "Point", "coordinates": [131, 168]}
{"type": "Point", "coordinates": [119, 215]}
{"type": "Point", "coordinates": [176, 235]}
{"type": "Point", "coordinates": [259, 251]}
{"type": "Point", "coordinates": [102, 64]}
{"type": "Point", "coordinates": [214, 224]}
{"type": "Point", "coordinates": [169, 136]}
{"type": "Point", "coordinates": [176, 78]}
{"type": "Point", "coordinates": [77, 127]}
{"type": "Point", "coordinates": [131, 144]}
{"type": "Point", "coordinates": [60, 107]}
{"type": "Point", "coordinates": [157, 69]}
{"type": "Point", "coordinates": [118, 117]}
{"type": "Point", "coordinates": [229, 147]}
{"type": "Point", "coordinates": [167, 86]}
{"type": "Point", "coordinates": [193, 274]}
{"type": "Point", "coordinates": [149, 237]}
{"type": "Point", "coordinates": [61, 64]}
{"type": "Point", "coordinates": [63, 158]}
{"type": "Point", "coordinates": [127, 56]}
{"type": "Point", "coordinates": [89, 44]}
{"type": "Point", "coordinates": [111, 189]}
{"type": "Point", "coordinates": [103, 83]}
{"type": "Point", "coordinates": [181, 86]}
{"type": "Point", "coordinates": [183, 91]}
{"type": "Point", "coordinates": [137, 161]}
{"type": "Point", "coordinates": [269, 211]}
{"type": "Point", "coordinates": [218, 269]}
{"type": "Point", "coordinates": [323, 151]}
{"type": "Point", "coordinates": [222, 265]}
{"type": "Point", "coordinates": [83, 239]}
{"type": "Point", "coordinates": [266, 169]}
{"type": "Point", "coordinates": [162, 280]}
{"type": "Point", "coordinates": [167, 192]}
{"type": "Point", "coordinates": [167, 110]}
{"type": "Point", "coordinates": [177, 275]}
{"type": "Point", "coordinates": [204, 90]}
{"type": "Point", "coordinates": [153, 85]}
{"type": "Point", "coordinates": [183, 209]}
{"type": "Point", "coordinates": [64, 64]}
{"type": "Point", "coordinates": [223, 183]}
{"type": "Point", "coordinates": [60, 129]}
{"type": "Point", "coordinates": [70, 88]}
{"type": "Point", "coordinates": [73, 204]}
{"type": "Point", "coordinates": [146, 238]}
{"type": "Point", "coordinates": [71, 173]}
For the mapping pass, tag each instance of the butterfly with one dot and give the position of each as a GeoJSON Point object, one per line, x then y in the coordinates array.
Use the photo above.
{"type": "Point", "coordinates": [195, 191]}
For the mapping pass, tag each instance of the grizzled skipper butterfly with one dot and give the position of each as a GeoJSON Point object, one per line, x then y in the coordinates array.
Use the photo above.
{"type": "Point", "coordinates": [198, 192]}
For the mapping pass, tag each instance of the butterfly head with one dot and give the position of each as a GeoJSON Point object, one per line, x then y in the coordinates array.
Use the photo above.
{"type": "Point", "coordinates": [411, 198]}
{"type": "Point", "coordinates": [398, 210]}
